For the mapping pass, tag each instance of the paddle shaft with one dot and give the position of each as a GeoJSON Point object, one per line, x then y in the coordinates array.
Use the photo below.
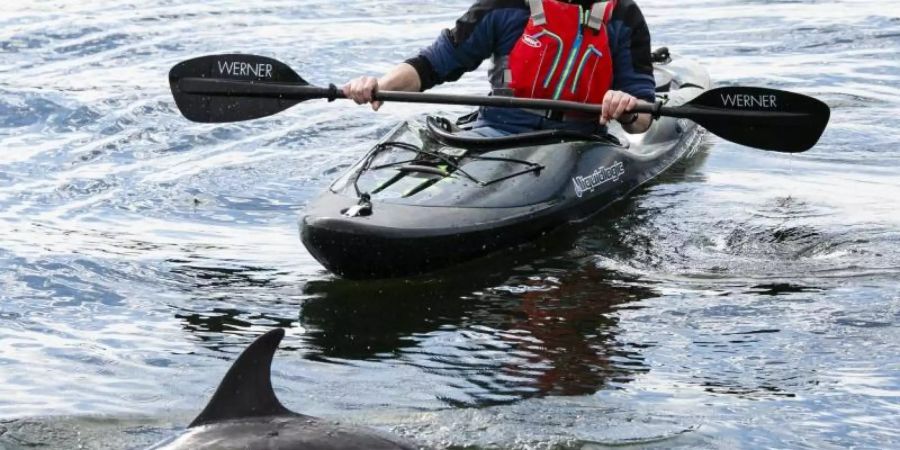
{"type": "Point", "coordinates": [292, 91]}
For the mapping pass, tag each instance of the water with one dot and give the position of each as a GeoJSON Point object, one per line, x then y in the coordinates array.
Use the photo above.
{"type": "Point", "coordinates": [746, 299]}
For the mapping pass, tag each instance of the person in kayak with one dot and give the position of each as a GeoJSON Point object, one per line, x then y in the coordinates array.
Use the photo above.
{"type": "Point", "coordinates": [578, 50]}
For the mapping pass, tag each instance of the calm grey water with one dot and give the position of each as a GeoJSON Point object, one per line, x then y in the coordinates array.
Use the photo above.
{"type": "Point", "coordinates": [746, 299]}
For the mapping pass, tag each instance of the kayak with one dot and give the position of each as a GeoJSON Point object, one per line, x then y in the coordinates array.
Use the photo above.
{"type": "Point", "coordinates": [428, 195]}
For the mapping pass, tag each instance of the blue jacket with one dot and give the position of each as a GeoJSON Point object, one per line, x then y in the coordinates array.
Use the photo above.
{"type": "Point", "coordinates": [490, 29]}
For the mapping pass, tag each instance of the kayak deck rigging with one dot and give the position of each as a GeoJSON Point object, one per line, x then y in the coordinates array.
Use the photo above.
{"type": "Point", "coordinates": [437, 163]}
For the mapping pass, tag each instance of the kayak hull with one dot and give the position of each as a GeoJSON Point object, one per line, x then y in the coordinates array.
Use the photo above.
{"type": "Point", "coordinates": [418, 220]}
{"type": "Point", "coordinates": [376, 252]}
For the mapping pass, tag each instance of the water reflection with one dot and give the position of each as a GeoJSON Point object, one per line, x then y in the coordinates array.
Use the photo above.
{"type": "Point", "coordinates": [576, 326]}
{"type": "Point", "coordinates": [241, 301]}
{"type": "Point", "coordinates": [546, 326]}
{"type": "Point", "coordinates": [222, 320]}
{"type": "Point", "coordinates": [374, 322]}
{"type": "Point", "coordinates": [775, 289]}
{"type": "Point", "coordinates": [547, 330]}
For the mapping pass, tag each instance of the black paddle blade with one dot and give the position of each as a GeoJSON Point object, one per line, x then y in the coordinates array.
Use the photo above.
{"type": "Point", "coordinates": [767, 119]}
{"type": "Point", "coordinates": [220, 88]}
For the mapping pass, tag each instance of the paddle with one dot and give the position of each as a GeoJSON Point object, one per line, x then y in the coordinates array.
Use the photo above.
{"type": "Point", "coordinates": [234, 87]}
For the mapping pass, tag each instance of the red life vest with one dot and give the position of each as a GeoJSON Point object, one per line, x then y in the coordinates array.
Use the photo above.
{"type": "Point", "coordinates": [563, 53]}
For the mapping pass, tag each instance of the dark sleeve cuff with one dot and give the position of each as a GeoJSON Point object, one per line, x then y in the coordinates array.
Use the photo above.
{"type": "Point", "coordinates": [649, 97]}
{"type": "Point", "coordinates": [427, 76]}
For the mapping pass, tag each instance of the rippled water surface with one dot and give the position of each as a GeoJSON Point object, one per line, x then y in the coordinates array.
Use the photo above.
{"type": "Point", "coordinates": [745, 299]}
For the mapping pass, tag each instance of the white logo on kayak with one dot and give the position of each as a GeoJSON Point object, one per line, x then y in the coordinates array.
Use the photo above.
{"type": "Point", "coordinates": [531, 41]}
{"type": "Point", "coordinates": [749, 101]}
{"type": "Point", "coordinates": [602, 175]}
{"type": "Point", "coordinates": [244, 69]}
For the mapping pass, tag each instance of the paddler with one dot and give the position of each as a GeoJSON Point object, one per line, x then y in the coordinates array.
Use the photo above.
{"type": "Point", "coordinates": [578, 50]}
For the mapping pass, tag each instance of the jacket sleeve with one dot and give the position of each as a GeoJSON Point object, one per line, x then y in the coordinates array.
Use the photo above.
{"type": "Point", "coordinates": [630, 47]}
{"type": "Point", "coordinates": [488, 27]}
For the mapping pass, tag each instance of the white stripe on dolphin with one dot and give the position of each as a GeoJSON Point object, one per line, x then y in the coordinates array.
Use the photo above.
{"type": "Point", "coordinates": [244, 413]}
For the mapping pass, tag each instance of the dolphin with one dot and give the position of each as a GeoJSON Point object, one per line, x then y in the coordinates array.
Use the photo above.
{"type": "Point", "coordinates": [245, 414]}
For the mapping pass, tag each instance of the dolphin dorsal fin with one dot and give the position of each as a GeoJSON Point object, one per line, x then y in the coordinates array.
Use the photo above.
{"type": "Point", "coordinates": [246, 390]}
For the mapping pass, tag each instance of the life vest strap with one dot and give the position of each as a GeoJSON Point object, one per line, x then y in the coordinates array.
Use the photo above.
{"type": "Point", "coordinates": [503, 89]}
{"type": "Point", "coordinates": [600, 14]}
{"type": "Point", "coordinates": [537, 12]}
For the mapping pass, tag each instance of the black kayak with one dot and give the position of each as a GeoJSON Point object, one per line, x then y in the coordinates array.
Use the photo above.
{"type": "Point", "coordinates": [426, 197]}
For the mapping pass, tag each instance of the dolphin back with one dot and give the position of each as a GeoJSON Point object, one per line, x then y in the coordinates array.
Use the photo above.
{"type": "Point", "coordinates": [246, 391]}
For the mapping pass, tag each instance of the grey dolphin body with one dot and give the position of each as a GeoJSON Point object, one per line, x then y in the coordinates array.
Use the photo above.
{"type": "Point", "coordinates": [245, 414]}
